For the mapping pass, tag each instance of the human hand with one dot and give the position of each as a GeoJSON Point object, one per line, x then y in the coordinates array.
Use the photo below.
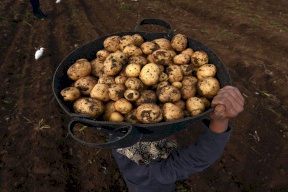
{"type": "Point", "coordinates": [228, 103]}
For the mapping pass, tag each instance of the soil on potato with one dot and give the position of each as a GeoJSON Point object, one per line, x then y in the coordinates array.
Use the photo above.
{"type": "Point", "coordinates": [36, 151]}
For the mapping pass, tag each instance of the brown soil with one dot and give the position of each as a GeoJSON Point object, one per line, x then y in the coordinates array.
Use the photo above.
{"type": "Point", "coordinates": [36, 152]}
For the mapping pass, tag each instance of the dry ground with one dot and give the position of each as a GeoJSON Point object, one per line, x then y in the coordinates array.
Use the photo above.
{"type": "Point", "coordinates": [250, 37]}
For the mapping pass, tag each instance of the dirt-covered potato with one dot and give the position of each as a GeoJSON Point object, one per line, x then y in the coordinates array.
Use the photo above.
{"type": "Point", "coordinates": [131, 117]}
{"type": "Point", "coordinates": [188, 91]}
{"type": "Point", "coordinates": [149, 74]}
{"type": "Point", "coordinates": [108, 80]}
{"type": "Point", "coordinates": [208, 87]}
{"type": "Point", "coordinates": [195, 106]}
{"type": "Point", "coordinates": [141, 60]}
{"type": "Point", "coordinates": [199, 58]}
{"type": "Point", "coordinates": [206, 102]}
{"type": "Point", "coordinates": [163, 77]}
{"type": "Point", "coordinates": [123, 106]}
{"type": "Point", "coordinates": [89, 106]}
{"type": "Point", "coordinates": [168, 94]}
{"type": "Point", "coordinates": [111, 43]}
{"type": "Point", "coordinates": [181, 104]}
{"type": "Point", "coordinates": [150, 58]}
{"type": "Point", "coordinates": [97, 67]}
{"type": "Point", "coordinates": [116, 91]}
{"type": "Point", "coordinates": [109, 108]}
{"type": "Point", "coordinates": [181, 59]}
{"type": "Point", "coordinates": [161, 84]}
{"type": "Point", "coordinates": [125, 40]}
{"type": "Point", "coordinates": [206, 70]}
{"type": "Point", "coordinates": [189, 80]}
{"type": "Point", "coordinates": [188, 51]}
{"type": "Point", "coordinates": [162, 57]}
{"type": "Point", "coordinates": [132, 50]}
{"type": "Point", "coordinates": [119, 56]}
{"type": "Point", "coordinates": [134, 83]}
{"type": "Point", "coordinates": [146, 96]}
{"type": "Point", "coordinates": [177, 84]}
{"type": "Point", "coordinates": [120, 79]}
{"type": "Point", "coordinates": [179, 42]}
{"type": "Point", "coordinates": [163, 43]}
{"type": "Point", "coordinates": [138, 39]}
{"type": "Point", "coordinates": [149, 113]}
{"type": "Point", "coordinates": [148, 47]}
{"type": "Point", "coordinates": [86, 84]}
{"type": "Point", "coordinates": [116, 117]}
{"type": "Point", "coordinates": [186, 69]}
{"type": "Point", "coordinates": [174, 73]}
{"type": "Point", "coordinates": [133, 70]}
{"type": "Point", "coordinates": [80, 68]}
{"type": "Point", "coordinates": [112, 66]}
{"type": "Point", "coordinates": [131, 95]}
{"type": "Point", "coordinates": [102, 54]}
{"type": "Point", "coordinates": [70, 94]}
{"type": "Point", "coordinates": [100, 92]}
{"type": "Point", "coordinates": [172, 112]}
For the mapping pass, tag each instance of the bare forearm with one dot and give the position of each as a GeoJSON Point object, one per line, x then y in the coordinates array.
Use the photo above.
{"type": "Point", "coordinates": [219, 126]}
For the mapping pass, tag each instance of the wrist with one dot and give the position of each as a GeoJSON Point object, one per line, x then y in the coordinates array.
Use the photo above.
{"type": "Point", "coordinates": [219, 125]}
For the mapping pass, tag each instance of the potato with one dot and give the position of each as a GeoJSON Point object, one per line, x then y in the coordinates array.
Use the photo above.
{"type": "Point", "coordinates": [161, 68]}
{"type": "Point", "coordinates": [112, 66]}
{"type": "Point", "coordinates": [186, 69]}
{"type": "Point", "coordinates": [89, 106]}
{"type": "Point", "coordinates": [206, 102]}
{"type": "Point", "coordinates": [97, 67]}
{"type": "Point", "coordinates": [132, 70]}
{"type": "Point", "coordinates": [206, 70]}
{"type": "Point", "coordinates": [132, 50]}
{"type": "Point", "coordinates": [188, 91]}
{"type": "Point", "coordinates": [168, 94]}
{"type": "Point", "coordinates": [86, 84]}
{"type": "Point", "coordinates": [125, 40]}
{"type": "Point", "coordinates": [146, 96]}
{"type": "Point", "coordinates": [134, 83]}
{"type": "Point", "coordinates": [138, 39]}
{"type": "Point", "coordinates": [162, 84]}
{"type": "Point", "coordinates": [172, 112]}
{"type": "Point", "coordinates": [80, 68]}
{"type": "Point", "coordinates": [163, 77]}
{"type": "Point", "coordinates": [120, 79]}
{"type": "Point", "coordinates": [149, 113]}
{"type": "Point", "coordinates": [208, 87]}
{"type": "Point", "coordinates": [172, 53]}
{"type": "Point", "coordinates": [102, 54]}
{"type": "Point", "coordinates": [70, 94]}
{"type": "Point", "coordinates": [189, 80]}
{"type": "Point", "coordinates": [131, 117]}
{"type": "Point", "coordinates": [108, 80]}
{"type": "Point", "coordinates": [150, 59]}
{"type": "Point", "coordinates": [116, 91]}
{"type": "Point", "coordinates": [116, 117]}
{"type": "Point", "coordinates": [137, 60]}
{"type": "Point", "coordinates": [111, 43]}
{"type": "Point", "coordinates": [188, 51]}
{"type": "Point", "coordinates": [100, 92]}
{"type": "Point", "coordinates": [131, 95]}
{"type": "Point", "coordinates": [109, 108]}
{"type": "Point", "coordinates": [181, 104]}
{"type": "Point", "coordinates": [162, 57]}
{"type": "Point", "coordinates": [149, 47]}
{"type": "Point", "coordinates": [119, 56]}
{"type": "Point", "coordinates": [199, 58]}
{"type": "Point", "coordinates": [195, 106]}
{"type": "Point", "coordinates": [123, 106]}
{"type": "Point", "coordinates": [163, 43]}
{"type": "Point", "coordinates": [174, 73]}
{"type": "Point", "coordinates": [181, 59]}
{"type": "Point", "coordinates": [149, 74]}
{"type": "Point", "coordinates": [177, 84]}
{"type": "Point", "coordinates": [179, 42]}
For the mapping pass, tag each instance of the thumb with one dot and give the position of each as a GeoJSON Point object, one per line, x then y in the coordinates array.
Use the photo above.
{"type": "Point", "coordinates": [219, 112]}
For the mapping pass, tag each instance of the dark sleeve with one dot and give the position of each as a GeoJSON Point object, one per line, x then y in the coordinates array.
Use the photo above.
{"type": "Point", "coordinates": [195, 158]}
{"type": "Point", "coordinates": [178, 165]}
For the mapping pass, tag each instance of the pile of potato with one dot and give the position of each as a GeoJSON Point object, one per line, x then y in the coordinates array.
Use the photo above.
{"type": "Point", "coordinates": [139, 81]}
